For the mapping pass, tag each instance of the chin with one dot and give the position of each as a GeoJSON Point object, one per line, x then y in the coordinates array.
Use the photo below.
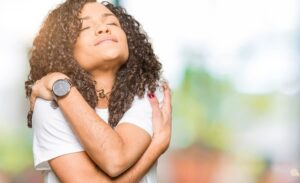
{"type": "Point", "coordinates": [113, 55]}
{"type": "Point", "coordinates": [110, 61]}
{"type": "Point", "coordinates": [113, 62]}
{"type": "Point", "coordinates": [110, 54]}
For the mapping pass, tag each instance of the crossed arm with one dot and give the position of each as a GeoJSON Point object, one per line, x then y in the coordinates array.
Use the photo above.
{"type": "Point", "coordinates": [113, 156]}
{"type": "Point", "coordinates": [86, 171]}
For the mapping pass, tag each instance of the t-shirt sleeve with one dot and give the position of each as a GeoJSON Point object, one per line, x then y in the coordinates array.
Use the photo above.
{"type": "Point", "coordinates": [140, 113]}
{"type": "Point", "coordinates": [52, 135]}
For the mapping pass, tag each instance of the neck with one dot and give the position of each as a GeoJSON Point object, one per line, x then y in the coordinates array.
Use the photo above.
{"type": "Point", "coordinates": [104, 80]}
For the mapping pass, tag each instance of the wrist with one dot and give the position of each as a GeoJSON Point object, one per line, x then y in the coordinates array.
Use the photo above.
{"type": "Point", "coordinates": [61, 88]}
{"type": "Point", "coordinates": [54, 78]}
{"type": "Point", "coordinates": [160, 142]}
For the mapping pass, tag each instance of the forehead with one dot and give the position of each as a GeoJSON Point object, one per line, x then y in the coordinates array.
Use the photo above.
{"type": "Point", "coordinates": [94, 8]}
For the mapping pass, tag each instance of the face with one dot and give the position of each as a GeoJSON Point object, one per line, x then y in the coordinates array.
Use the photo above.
{"type": "Point", "coordinates": [102, 43]}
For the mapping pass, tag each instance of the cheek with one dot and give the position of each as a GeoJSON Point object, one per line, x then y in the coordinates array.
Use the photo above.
{"type": "Point", "coordinates": [79, 53]}
{"type": "Point", "coordinates": [81, 44]}
{"type": "Point", "coordinates": [125, 46]}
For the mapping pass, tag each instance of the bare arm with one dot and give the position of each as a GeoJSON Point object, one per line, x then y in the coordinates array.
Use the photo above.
{"type": "Point", "coordinates": [79, 164]}
{"type": "Point", "coordinates": [86, 171]}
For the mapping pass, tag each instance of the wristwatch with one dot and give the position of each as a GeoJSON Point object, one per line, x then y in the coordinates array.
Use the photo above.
{"type": "Point", "coordinates": [61, 88]}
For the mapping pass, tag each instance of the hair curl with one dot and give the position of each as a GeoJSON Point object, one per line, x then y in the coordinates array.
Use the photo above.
{"type": "Point", "coordinates": [53, 47]}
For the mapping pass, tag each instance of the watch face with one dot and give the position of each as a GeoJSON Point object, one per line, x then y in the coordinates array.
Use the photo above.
{"type": "Point", "coordinates": [61, 87]}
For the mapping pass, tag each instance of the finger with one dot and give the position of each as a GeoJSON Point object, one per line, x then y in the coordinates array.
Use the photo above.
{"type": "Point", "coordinates": [32, 101]}
{"type": "Point", "coordinates": [47, 95]}
{"type": "Point", "coordinates": [167, 106]}
{"type": "Point", "coordinates": [167, 98]}
{"type": "Point", "coordinates": [33, 92]}
{"type": "Point", "coordinates": [154, 104]}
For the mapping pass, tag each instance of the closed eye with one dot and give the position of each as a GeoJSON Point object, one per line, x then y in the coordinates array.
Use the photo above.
{"type": "Point", "coordinates": [84, 28]}
{"type": "Point", "coordinates": [113, 23]}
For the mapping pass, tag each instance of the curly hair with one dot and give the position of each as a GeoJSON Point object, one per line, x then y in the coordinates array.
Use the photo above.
{"type": "Point", "coordinates": [53, 48]}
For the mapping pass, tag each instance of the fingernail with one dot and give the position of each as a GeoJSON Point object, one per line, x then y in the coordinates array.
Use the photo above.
{"type": "Point", "coordinates": [151, 95]}
{"type": "Point", "coordinates": [164, 87]}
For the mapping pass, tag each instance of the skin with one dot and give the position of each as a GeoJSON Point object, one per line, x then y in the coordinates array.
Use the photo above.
{"type": "Point", "coordinates": [130, 149]}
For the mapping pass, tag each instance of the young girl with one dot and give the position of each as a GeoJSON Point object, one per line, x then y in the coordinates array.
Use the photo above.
{"type": "Point", "coordinates": [92, 68]}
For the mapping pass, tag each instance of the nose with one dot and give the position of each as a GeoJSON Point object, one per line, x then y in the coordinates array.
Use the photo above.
{"type": "Point", "coordinates": [102, 29]}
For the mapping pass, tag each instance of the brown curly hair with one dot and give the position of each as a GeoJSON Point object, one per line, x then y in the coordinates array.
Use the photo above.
{"type": "Point", "coordinates": [53, 47]}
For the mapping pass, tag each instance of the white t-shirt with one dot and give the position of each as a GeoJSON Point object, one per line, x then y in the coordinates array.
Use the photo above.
{"type": "Point", "coordinates": [53, 136]}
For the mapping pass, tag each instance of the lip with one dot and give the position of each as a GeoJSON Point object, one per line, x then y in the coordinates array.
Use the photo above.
{"type": "Point", "coordinates": [99, 41]}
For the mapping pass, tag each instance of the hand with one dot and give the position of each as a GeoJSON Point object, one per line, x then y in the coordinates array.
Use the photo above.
{"type": "Point", "coordinates": [43, 87]}
{"type": "Point", "coordinates": [162, 119]}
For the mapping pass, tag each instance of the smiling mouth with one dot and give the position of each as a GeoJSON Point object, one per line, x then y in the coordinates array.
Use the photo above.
{"type": "Point", "coordinates": [105, 40]}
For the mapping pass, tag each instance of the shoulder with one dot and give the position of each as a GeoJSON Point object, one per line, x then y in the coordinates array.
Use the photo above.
{"type": "Point", "coordinates": [144, 101]}
{"type": "Point", "coordinates": [45, 117]}
{"type": "Point", "coordinates": [140, 112]}
{"type": "Point", "coordinates": [44, 108]}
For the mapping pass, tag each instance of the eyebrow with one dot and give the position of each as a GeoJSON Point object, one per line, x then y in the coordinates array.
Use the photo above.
{"type": "Point", "coordinates": [104, 15]}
